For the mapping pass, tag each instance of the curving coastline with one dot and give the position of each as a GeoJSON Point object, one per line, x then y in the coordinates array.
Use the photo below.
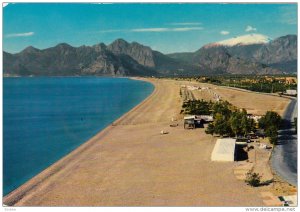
{"type": "Point", "coordinates": [131, 164]}
{"type": "Point", "coordinates": [16, 195]}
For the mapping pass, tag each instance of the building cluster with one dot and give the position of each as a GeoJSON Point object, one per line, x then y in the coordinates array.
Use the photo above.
{"type": "Point", "coordinates": [283, 80]}
{"type": "Point", "coordinates": [193, 121]}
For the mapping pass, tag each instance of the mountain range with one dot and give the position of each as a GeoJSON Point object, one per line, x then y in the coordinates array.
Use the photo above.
{"type": "Point", "coordinates": [248, 54]}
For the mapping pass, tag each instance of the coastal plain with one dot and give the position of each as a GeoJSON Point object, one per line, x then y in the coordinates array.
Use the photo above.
{"type": "Point", "coordinates": [130, 163]}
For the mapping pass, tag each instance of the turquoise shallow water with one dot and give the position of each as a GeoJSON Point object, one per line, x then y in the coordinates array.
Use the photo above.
{"type": "Point", "coordinates": [46, 118]}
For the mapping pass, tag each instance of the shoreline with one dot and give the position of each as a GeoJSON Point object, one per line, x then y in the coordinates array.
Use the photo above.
{"type": "Point", "coordinates": [18, 193]}
{"type": "Point", "coordinates": [107, 170]}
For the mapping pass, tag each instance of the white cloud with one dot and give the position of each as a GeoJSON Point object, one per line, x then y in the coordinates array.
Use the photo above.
{"type": "Point", "coordinates": [184, 29]}
{"type": "Point", "coordinates": [186, 24]}
{"type": "Point", "coordinates": [250, 28]}
{"type": "Point", "coordinates": [24, 34]}
{"type": "Point", "coordinates": [150, 30]}
{"type": "Point", "coordinates": [158, 29]}
{"type": "Point", "coordinates": [181, 29]}
{"type": "Point", "coordinates": [223, 32]}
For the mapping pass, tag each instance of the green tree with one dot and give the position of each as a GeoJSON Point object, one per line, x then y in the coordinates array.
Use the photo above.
{"type": "Point", "coordinates": [252, 124]}
{"type": "Point", "coordinates": [271, 123]}
{"type": "Point", "coordinates": [222, 108]}
{"type": "Point", "coordinates": [221, 125]}
{"type": "Point", "coordinates": [210, 129]}
{"type": "Point", "coordinates": [272, 133]}
{"type": "Point", "coordinates": [272, 119]}
{"type": "Point", "coordinates": [245, 127]}
{"type": "Point", "coordinates": [262, 122]}
{"type": "Point", "coordinates": [235, 123]}
{"type": "Point", "coordinates": [197, 107]}
{"type": "Point", "coordinates": [240, 124]}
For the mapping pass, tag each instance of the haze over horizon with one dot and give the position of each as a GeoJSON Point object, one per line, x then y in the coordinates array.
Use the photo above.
{"type": "Point", "coordinates": [167, 28]}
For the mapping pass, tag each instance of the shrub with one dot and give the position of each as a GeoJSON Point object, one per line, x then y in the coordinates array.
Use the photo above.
{"type": "Point", "coordinates": [253, 178]}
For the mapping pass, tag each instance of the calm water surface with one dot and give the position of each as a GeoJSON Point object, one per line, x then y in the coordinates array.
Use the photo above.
{"type": "Point", "coordinates": [46, 118]}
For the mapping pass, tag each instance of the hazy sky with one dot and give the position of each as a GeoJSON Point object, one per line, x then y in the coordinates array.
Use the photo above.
{"type": "Point", "coordinates": [164, 27]}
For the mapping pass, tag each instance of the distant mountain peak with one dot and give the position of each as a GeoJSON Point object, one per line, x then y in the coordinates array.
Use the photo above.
{"type": "Point", "coordinates": [248, 39]}
{"type": "Point", "coordinates": [142, 54]}
{"type": "Point", "coordinates": [118, 46]}
{"type": "Point", "coordinates": [30, 49]}
{"type": "Point", "coordinates": [119, 41]}
{"type": "Point", "coordinates": [64, 45]}
{"type": "Point", "coordinates": [99, 47]}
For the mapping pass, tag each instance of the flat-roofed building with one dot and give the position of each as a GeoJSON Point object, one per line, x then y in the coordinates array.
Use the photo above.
{"type": "Point", "coordinates": [193, 121]}
{"type": "Point", "coordinates": [189, 122]}
{"type": "Point", "coordinates": [224, 150]}
{"type": "Point", "coordinates": [291, 92]}
{"type": "Point", "coordinates": [206, 118]}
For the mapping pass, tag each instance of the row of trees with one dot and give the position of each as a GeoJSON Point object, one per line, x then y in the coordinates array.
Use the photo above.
{"type": "Point", "coordinates": [231, 121]}
{"type": "Point", "coordinates": [197, 107]}
{"type": "Point", "coordinates": [270, 123]}
{"type": "Point", "coordinates": [236, 123]}
{"type": "Point", "coordinates": [228, 120]}
{"type": "Point", "coordinates": [254, 83]}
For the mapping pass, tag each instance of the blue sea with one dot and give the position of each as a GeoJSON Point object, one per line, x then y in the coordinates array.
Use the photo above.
{"type": "Point", "coordinates": [45, 118]}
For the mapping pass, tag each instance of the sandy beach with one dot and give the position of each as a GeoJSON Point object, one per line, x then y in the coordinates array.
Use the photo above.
{"type": "Point", "coordinates": [131, 164]}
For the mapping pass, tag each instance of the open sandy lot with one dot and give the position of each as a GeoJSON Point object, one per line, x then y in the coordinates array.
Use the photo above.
{"type": "Point", "coordinates": [131, 164]}
{"type": "Point", "coordinates": [255, 103]}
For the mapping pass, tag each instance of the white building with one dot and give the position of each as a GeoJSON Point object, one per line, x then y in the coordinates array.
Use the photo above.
{"type": "Point", "coordinates": [254, 117]}
{"type": "Point", "coordinates": [207, 118]}
{"type": "Point", "coordinates": [291, 92]}
{"type": "Point", "coordinates": [224, 150]}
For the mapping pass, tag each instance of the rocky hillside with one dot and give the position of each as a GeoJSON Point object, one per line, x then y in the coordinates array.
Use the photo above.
{"type": "Point", "coordinates": [249, 54]}
{"type": "Point", "coordinates": [218, 59]}
{"type": "Point", "coordinates": [64, 60]}
{"type": "Point", "coordinates": [120, 58]}
{"type": "Point", "coordinates": [141, 54]}
{"type": "Point", "coordinates": [240, 55]}
{"type": "Point", "coordinates": [280, 53]}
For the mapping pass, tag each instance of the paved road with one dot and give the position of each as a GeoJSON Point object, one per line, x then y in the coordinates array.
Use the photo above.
{"type": "Point", "coordinates": [284, 157]}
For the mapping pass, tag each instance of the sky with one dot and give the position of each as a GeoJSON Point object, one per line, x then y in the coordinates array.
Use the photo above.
{"type": "Point", "coordinates": [167, 28]}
